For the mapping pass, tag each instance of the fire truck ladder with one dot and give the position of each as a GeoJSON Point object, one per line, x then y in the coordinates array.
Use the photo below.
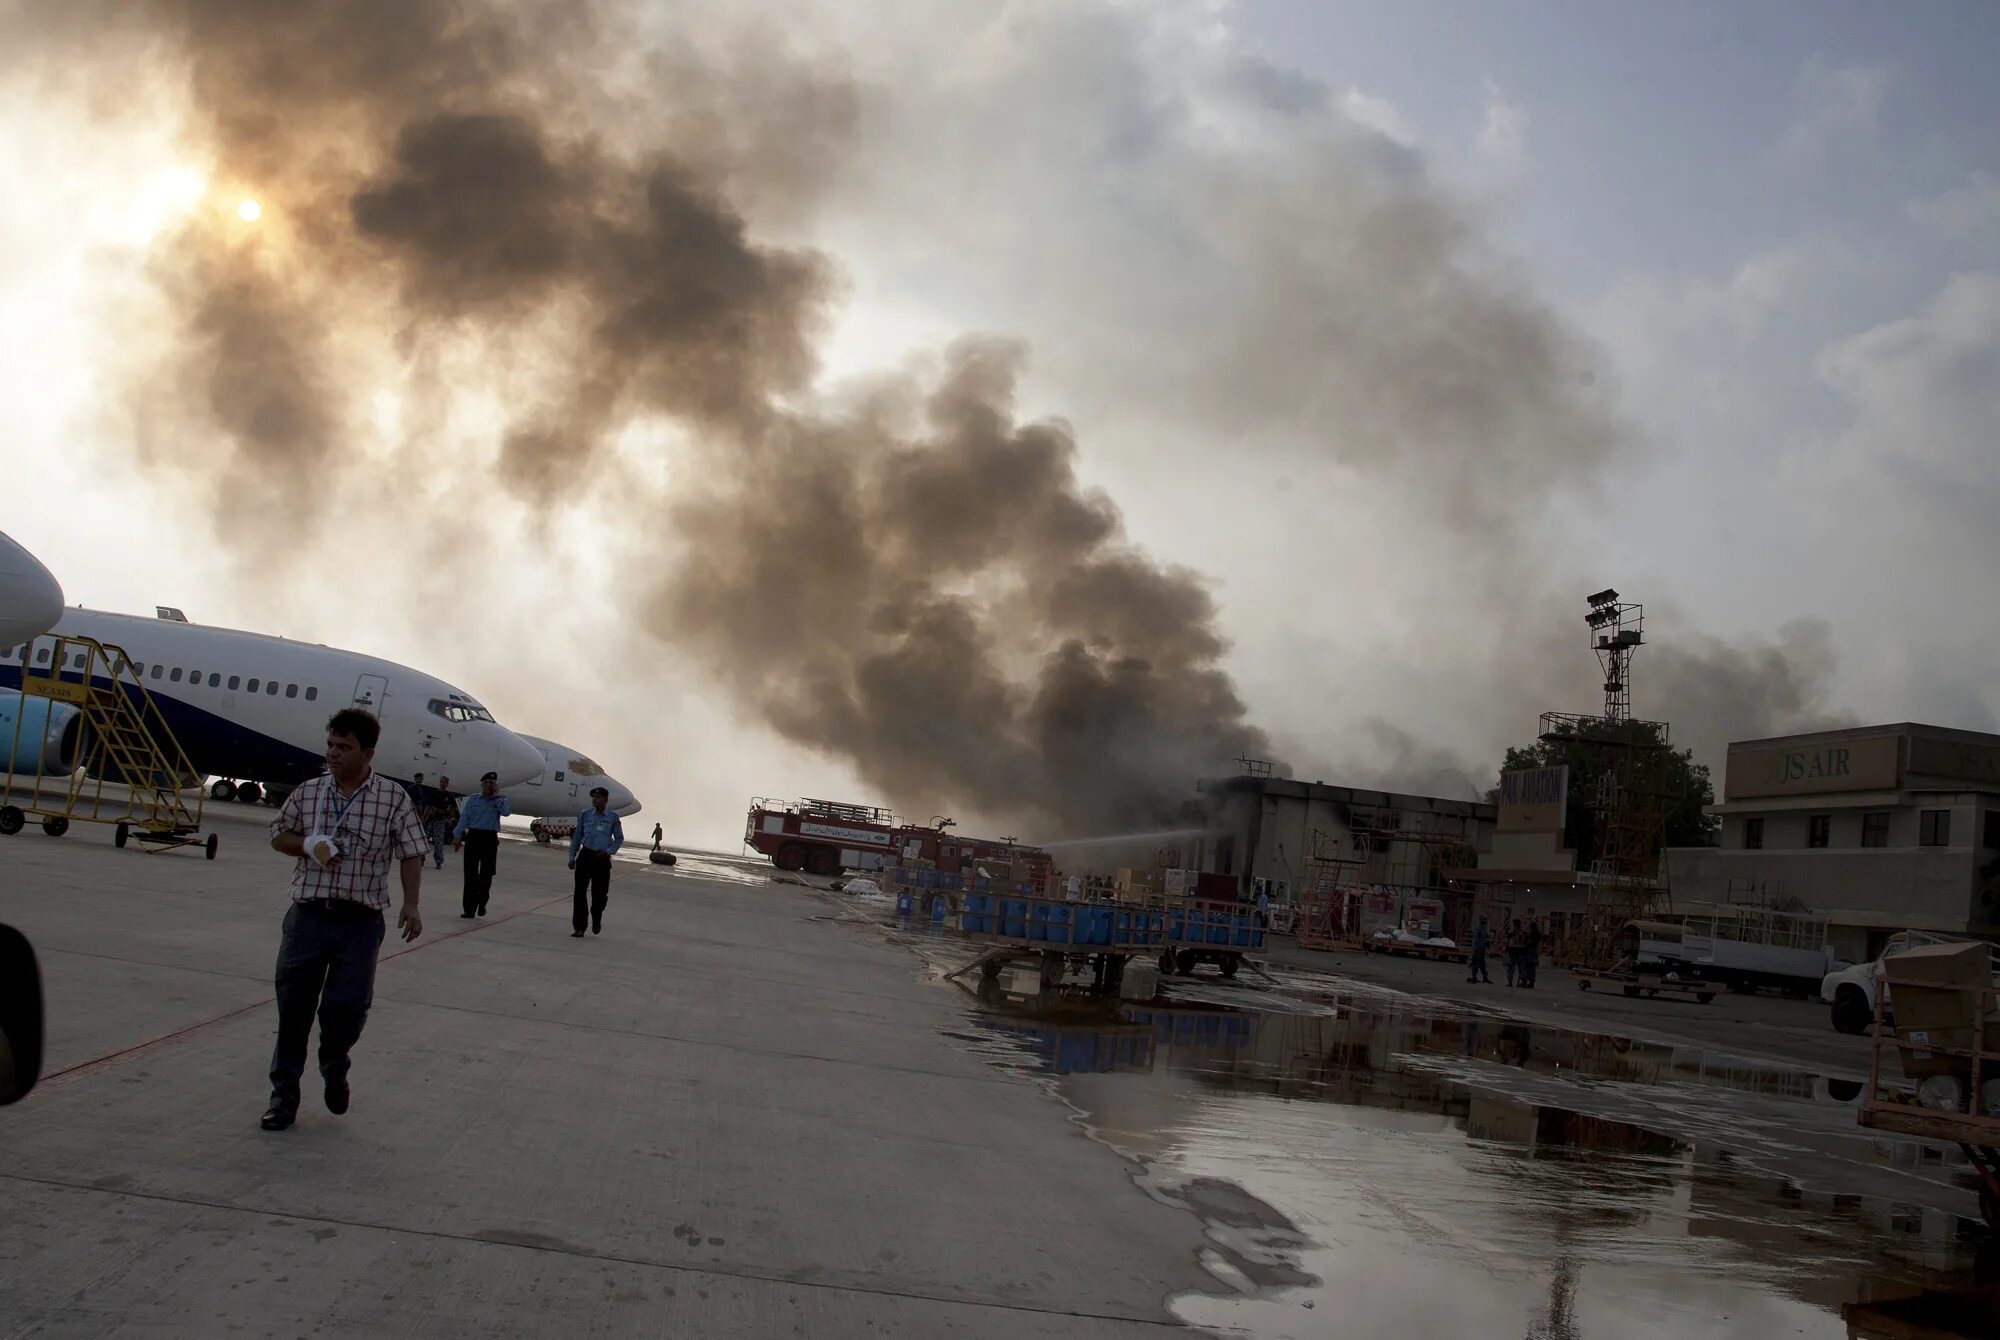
{"type": "Point", "coordinates": [124, 738]}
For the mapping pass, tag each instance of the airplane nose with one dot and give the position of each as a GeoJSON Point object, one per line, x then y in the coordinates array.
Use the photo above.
{"type": "Point", "coordinates": [31, 600]}
{"type": "Point", "coordinates": [628, 805]}
{"type": "Point", "coordinates": [519, 762]}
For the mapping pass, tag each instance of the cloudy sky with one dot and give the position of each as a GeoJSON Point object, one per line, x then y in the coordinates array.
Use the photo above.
{"type": "Point", "coordinates": [1375, 336]}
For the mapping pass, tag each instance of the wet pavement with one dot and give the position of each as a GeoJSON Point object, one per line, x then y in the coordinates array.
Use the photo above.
{"type": "Point", "coordinates": [1371, 1163]}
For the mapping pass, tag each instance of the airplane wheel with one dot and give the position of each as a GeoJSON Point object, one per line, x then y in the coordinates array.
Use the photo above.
{"type": "Point", "coordinates": [121, 834]}
{"type": "Point", "coordinates": [249, 793]}
{"type": "Point", "coordinates": [55, 825]}
{"type": "Point", "coordinates": [222, 790]}
{"type": "Point", "coordinates": [11, 820]}
{"type": "Point", "coordinates": [214, 841]}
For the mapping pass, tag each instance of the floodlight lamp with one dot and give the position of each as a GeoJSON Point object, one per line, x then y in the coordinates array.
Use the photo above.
{"type": "Point", "coordinates": [1605, 597]}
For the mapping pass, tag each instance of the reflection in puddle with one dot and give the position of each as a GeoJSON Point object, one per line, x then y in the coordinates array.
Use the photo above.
{"type": "Point", "coordinates": [1364, 1168]}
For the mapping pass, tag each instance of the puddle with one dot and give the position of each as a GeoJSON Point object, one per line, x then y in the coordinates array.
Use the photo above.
{"type": "Point", "coordinates": [1367, 1164]}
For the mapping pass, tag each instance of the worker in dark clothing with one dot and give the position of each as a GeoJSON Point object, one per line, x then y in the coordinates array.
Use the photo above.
{"type": "Point", "coordinates": [1531, 953]}
{"type": "Point", "coordinates": [478, 831]}
{"type": "Point", "coordinates": [1517, 950]}
{"type": "Point", "coordinates": [658, 834]}
{"type": "Point", "coordinates": [1480, 940]}
{"type": "Point", "coordinates": [599, 833]}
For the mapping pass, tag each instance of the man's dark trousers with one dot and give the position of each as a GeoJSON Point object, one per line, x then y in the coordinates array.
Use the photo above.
{"type": "Point", "coordinates": [482, 858]}
{"type": "Point", "coordinates": [593, 872]}
{"type": "Point", "coordinates": [326, 962]}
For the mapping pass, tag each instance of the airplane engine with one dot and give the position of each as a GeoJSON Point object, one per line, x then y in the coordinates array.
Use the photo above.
{"type": "Point", "coordinates": [38, 735]}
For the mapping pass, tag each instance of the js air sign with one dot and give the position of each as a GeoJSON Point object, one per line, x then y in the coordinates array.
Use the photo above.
{"type": "Point", "coordinates": [1532, 800]}
{"type": "Point", "coordinates": [1867, 764]}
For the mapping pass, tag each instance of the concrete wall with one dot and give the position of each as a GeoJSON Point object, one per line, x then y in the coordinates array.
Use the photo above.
{"type": "Point", "coordinates": [1859, 889]}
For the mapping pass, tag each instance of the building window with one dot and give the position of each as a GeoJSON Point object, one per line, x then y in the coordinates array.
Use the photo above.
{"type": "Point", "coordinates": [1875, 829]}
{"type": "Point", "coordinates": [311, 693]}
{"type": "Point", "coordinates": [291, 690]}
{"type": "Point", "coordinates": [1819, 830]}
{"type": "Point", "coordinates": [1753, 835]}
{"type": "Point", "coordinates": [1935, 829]}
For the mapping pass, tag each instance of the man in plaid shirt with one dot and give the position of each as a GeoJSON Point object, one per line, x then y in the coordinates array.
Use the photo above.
{"type": "Point", "coordinates": [344, 829]}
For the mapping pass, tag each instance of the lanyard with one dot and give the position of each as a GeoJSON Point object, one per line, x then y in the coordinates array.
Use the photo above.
{"type": "Point", "coordinates": [340, 810]}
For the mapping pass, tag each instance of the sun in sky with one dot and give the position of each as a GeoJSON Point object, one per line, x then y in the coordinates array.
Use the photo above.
{"type": "Point", "coordinates": [248, 210]}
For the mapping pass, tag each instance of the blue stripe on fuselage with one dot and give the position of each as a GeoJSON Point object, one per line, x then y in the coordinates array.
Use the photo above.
{"type": "Point", "coordinates": [216, 746]}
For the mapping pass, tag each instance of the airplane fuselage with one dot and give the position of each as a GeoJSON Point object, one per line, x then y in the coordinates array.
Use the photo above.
{"type": "Point", "coordinates": [253, 706]}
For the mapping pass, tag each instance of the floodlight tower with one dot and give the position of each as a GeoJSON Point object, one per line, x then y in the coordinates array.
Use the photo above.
{"type": "Point", "coordinates": [1617, 630]}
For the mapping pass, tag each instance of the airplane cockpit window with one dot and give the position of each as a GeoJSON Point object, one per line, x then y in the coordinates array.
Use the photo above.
{"type": "Point", "coordinates": [458, 711]}
{"type": "Point", "coordinates": [583, 767]}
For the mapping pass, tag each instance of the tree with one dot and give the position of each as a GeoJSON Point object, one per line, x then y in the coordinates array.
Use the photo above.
{"type": "Point", "coordinates": [1687, 783]}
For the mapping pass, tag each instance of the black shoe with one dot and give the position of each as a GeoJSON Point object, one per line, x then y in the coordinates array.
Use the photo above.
{"type": "Point", "coordinates": [277, 1117]}
{"type": "Point", "coordinates": [482, 909]}
{"type": "Point", "coordinates": [576, 935]}
{"type": "Point", "coordinates": [596, 928]}
{"type": "Point", "coordinates": [465, 916]}
{"type": "Point", "coordinates": [336, 1097]}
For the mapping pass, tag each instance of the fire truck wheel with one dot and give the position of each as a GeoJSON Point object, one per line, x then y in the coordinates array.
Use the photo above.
{"type": "Point", "coordinates": [791, 856]}
{"type": "Point", "coordinates": [823, 861]}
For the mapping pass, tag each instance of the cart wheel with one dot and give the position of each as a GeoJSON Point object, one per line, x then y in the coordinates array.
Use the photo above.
{"type": "Point", "coordinates": [1582, 984]}
{"type": "Point", "coordinates": [1230, 965]}
{"type": "Point", "coordinates": [990, 969]}
{"type": "Point", "coordinates": [11, 820]}
{"type": "Point", "coordinates": [1166, 962]}
{"type": "Point", "coordinates": [214, 841]}
{"type": "Point", "coordinates": [1703, 997]}
{"type": "Point", "coordinates": [121, 834]}
{"type": "Point", "coordinates": [1630, 990]}
{"type": "Point", "coordinates": [1651, 992]}
{"type": "Point", "coordinates": [55, 825]}
{"type": "Point", "coordinates": [1185, 961]}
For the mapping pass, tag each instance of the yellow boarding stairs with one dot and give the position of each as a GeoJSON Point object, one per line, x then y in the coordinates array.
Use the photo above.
{"type": "Point", "coordinates": [121, 737]}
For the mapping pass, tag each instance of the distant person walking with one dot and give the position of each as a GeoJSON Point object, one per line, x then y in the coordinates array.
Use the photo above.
{"type": "Point", "coordinates": [420, 795]}
{"type": "Point", "coordinates": [658, 834]}
{"type": "Point", "coordinates": [1517, 948]}
{"type": "Point", "coordinates": [1531, 952]}
{"type": "Point", "coordinates": [344, 828]}
{"type": "Point", "coordinates": [599, 833]}
{"type": "Point", "coordinates": [478, 831]}
{"type": "Point", "coordinates": [440, 813]}
{"type": "Point", "coordinates": [1480, 941]}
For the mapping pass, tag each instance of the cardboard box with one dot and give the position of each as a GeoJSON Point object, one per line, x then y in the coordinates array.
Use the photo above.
{"type": "Point", "coordinates": [1934, 995]}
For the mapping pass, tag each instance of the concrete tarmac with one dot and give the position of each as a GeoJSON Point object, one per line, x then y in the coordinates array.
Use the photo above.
{"type": "Point", "coordinates": [732, 1114]}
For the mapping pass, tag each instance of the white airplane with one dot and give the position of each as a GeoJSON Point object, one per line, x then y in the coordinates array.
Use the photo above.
{"type": "Point", "coordinates": [31, 600]}
{"type": "Point", "coordinates": [248, 705]}
{"type": "Point", "coordinates": [562, 791]}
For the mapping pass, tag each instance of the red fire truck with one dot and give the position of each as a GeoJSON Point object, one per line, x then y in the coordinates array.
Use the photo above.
{"type": "Point", "coordinates": [826, 837]}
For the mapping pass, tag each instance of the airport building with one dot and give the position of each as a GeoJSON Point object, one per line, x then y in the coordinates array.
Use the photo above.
{"type": "Point", "coordinates": [1880, 828]}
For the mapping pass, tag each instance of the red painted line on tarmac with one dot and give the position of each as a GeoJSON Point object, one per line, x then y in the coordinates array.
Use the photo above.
{"type": "Point", "coordinates": [69, 1074]}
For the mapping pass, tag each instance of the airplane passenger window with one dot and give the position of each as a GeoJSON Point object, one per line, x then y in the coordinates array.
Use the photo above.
{"type": "Point", "coordinates": [291, 690]}
{"type": "Point", "coordinates": [214, 680]}
{"type": "Point", "coordinates": [176, 675]}
{"type": "Point", "coordinates": [156, 671]}
{"type": "Point", "coordinates": [251, 686]}
{"type": "Point", "coordinates": [311, 693]}
{"type": "Point", "coordinates": [235, 682]}
{"type": "Point", "coordinates": [270, 688]}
